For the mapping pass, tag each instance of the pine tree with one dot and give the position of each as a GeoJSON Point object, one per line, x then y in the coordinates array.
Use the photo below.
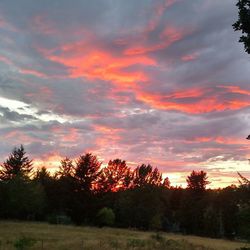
{"type": "Point", "coordinates": [17, 164]}
{"type": "Point", "coordinates": [87, 172]}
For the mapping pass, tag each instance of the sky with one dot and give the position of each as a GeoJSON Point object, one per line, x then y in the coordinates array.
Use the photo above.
{"type": "Point", "coordinates": [164, 82]}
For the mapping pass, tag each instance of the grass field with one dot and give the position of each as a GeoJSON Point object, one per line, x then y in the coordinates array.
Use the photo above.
{"type": "Point", "coordinates": [15, 235]}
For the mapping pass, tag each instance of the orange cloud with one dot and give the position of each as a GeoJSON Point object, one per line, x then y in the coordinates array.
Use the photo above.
{"type": "Point", "coordinates": [106, 130]}
{"type": "Point", "coordinates": [108, 136]}
{"type": "Point", "coordinates": [94, 63]}
{"type": "Point", "coordinates": [201, 100]}
{"type": "Point", "coordinates": [236, 89]}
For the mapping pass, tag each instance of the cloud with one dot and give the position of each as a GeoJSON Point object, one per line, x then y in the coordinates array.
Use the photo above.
{"type": "Point", "coordinates": [156, 81]}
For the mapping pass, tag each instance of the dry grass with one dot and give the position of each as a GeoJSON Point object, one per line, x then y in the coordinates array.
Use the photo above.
{"type": "Point", "coordinates": [57, 237]}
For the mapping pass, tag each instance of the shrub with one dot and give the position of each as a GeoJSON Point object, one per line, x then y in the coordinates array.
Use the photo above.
{"type": "Point", "coordinates": [156, 222]}
{"type": "Point", "coordinates": [24, 243]}
{"type": "Point", "coordinates": [105, 217]}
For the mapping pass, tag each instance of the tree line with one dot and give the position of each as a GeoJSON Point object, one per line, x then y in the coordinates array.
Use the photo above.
{"type": "Point", "coordinates": [85, 193]}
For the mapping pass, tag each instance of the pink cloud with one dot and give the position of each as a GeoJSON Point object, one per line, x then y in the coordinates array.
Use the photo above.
{"type": "Point", "coordinates": [201, 100]}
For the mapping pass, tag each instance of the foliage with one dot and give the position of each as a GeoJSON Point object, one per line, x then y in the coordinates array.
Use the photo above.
{"type": "Point", "coordinates": [146, 175]}
{"type": "Point", "coordinates": [23, 200]}
{"type": "Point", "coordinates": [116, 176]}
{"type": "Point", "coordinates": [244, 222]}
{"type": "Point", "coordinates": [66, 168]}
{"type": "Point", "coordinates": [197, 181]}
{"type": "Point", "coordinates": [105, 217]}
{"type": "Point", "coordinates": [24, 243]}
{"type": "Point", "coordinates": [86, 173]}
{"type": "Point", "coordinates": [244, 181]}
{"type": "Point", "coordinates": [243, 23]}
{"type": "Point", "coordinates": [17, 164]}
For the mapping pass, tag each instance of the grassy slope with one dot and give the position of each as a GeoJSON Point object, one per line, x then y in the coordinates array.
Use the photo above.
{"type": "Point", "coordinates": [70, 237]}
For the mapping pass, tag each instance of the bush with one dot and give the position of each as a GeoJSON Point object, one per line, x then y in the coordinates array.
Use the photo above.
{"type": "Point", "coordinates": [156, 222]}
{"type": "Point", "coordinates": [24, 243]}
{"type": "Point", "coordinates": [105, 217]}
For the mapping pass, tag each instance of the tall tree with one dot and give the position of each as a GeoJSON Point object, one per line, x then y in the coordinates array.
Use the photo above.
{"type": "Point", "coordinates": [116, 176]}
{"type": "Point", "coordinates": [66, 169]}
{"type": "Point", "coordinates": [42, 175]}
{"type": "Point", "coordinates": [146, 175]}
{"type": "Point", "coordinates": [197, 181]}
{"type": "Point", "coordinates": [17, 164]}
{"type": "Point", "coordinates": [87, 172]}
{"type": "Point", "coordinates": [243, 23]}
{"type": "Point", "coordinates": [243, 180]}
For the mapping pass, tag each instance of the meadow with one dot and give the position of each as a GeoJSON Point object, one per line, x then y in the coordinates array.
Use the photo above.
{"type": "Point", "coordinates": [19, 235]}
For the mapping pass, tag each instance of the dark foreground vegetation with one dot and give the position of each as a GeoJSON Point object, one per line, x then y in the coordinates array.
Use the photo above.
{"type": "Point", "coordinates": [85, 193]}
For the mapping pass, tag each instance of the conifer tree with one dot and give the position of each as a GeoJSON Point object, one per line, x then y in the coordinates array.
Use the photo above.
{"type": "Point", "coordinates": [17, 164]}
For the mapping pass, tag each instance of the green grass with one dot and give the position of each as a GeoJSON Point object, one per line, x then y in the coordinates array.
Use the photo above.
{"type": "Point", "coordinates": [18, 235]}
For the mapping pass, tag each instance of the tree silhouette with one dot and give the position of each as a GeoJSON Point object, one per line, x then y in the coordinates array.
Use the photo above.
{"type": "Point", "coordinates": [86, 172]}
{"type": "Point", "coordinates": [243, 23]}
{"type": "Point", "coordinates": [146, 175]}
{"type": "Point", "coordinates": [17, 164]}
{"type": "Point", "coordinates": [243, 180]}
{"type": "Point", "coordinates": [166, 183]}
{"type": "Point", "coordinates": [66, 169]}
{"type": "Point", "coordinates": [197, 181]}
{"type": "Point", "coordinates": [42, 176]}
{"type": "Point", "coordinates": [116, 176]}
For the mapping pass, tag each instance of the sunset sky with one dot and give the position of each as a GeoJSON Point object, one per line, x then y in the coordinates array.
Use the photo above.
{"type": "Point", "coordinates": [164, 82]}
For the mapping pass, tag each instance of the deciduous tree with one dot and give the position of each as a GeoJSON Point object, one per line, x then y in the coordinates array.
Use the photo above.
{"type": "Point", "coordinates": [243, 23]}
{"type": "Point", "coordinates": [116, 176]}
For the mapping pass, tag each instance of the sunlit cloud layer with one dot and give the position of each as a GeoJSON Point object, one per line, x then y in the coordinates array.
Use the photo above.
{"type": "Point", "coordinates": [149, 81]}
